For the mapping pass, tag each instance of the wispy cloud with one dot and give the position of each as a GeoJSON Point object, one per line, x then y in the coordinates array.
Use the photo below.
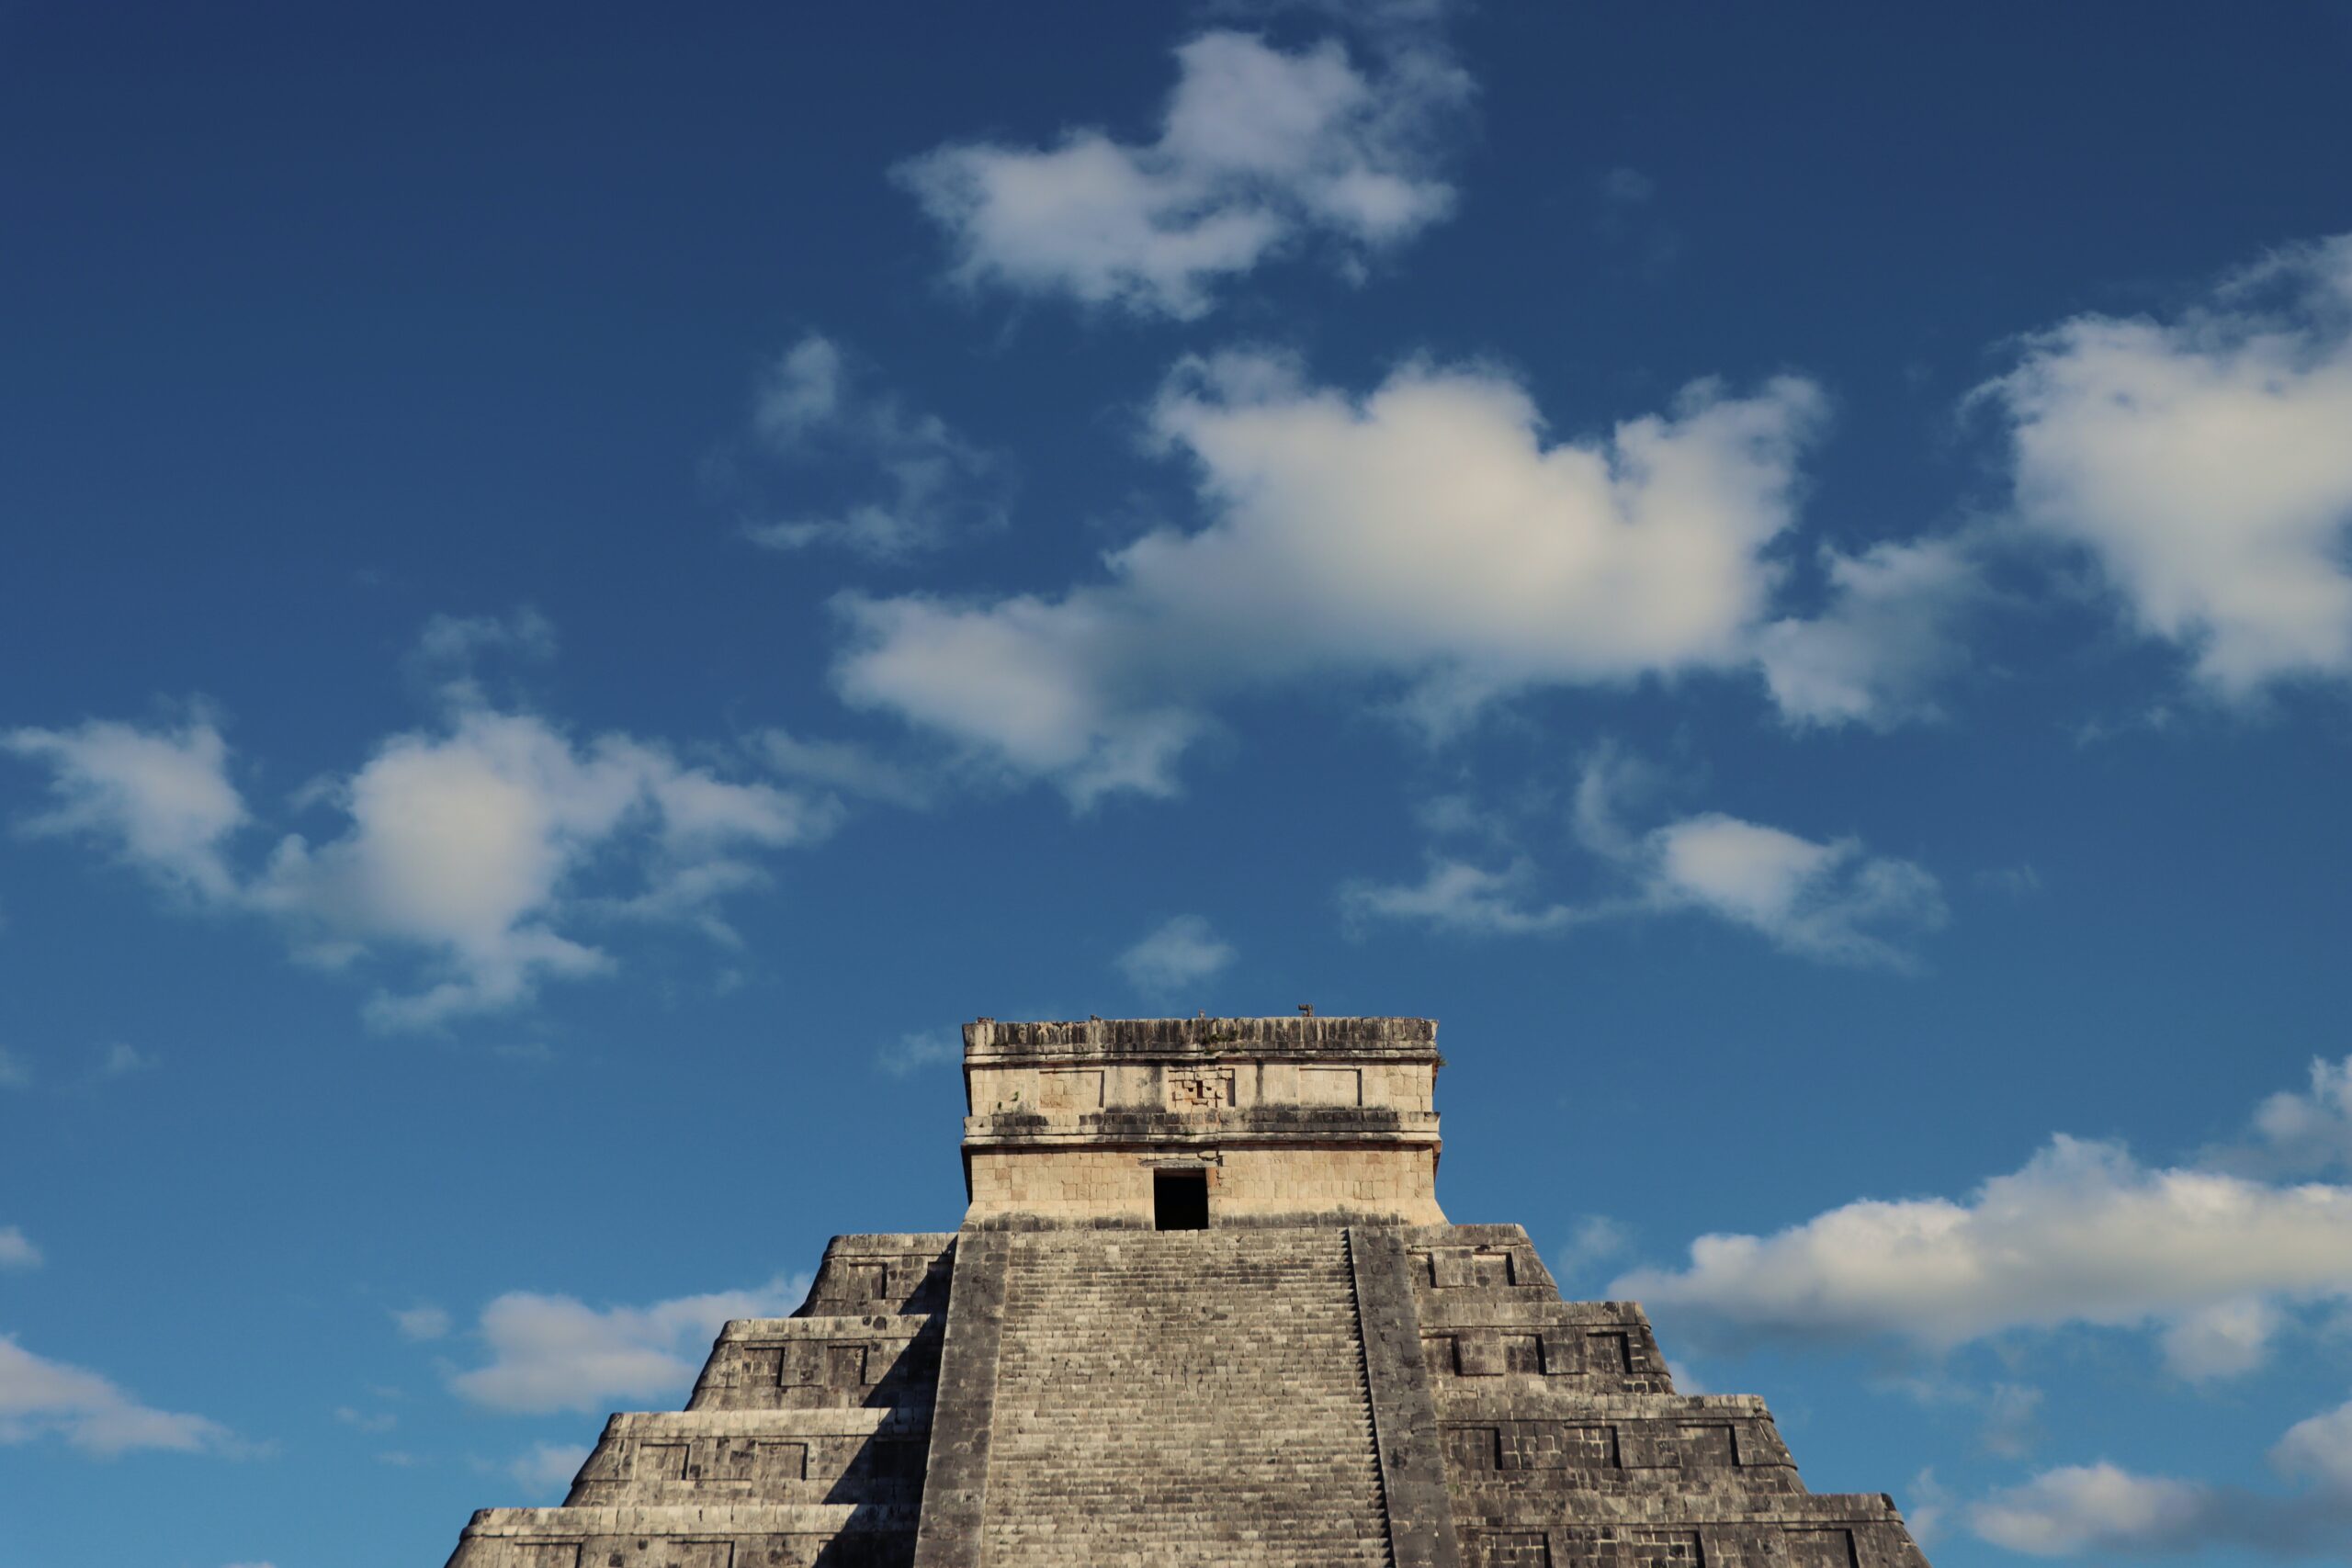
{"type": "Point", "coordinates": [1260, 151]}
{"type": "Point", "coordinates": [42, 1398]}
{"type": "Point", "coordinates": [423, 1321]}
{"type": "Point", "coordinates": [547, 1468]}
{"type": "Point", "coordinates": [910, 1053]}
{"type": "Point", "coordinates": [160, 797]}
{"type": "Point", "coordinates": [910, 482]}
{"type": "Point", "coordinates": [1183, 951]}
{"type": "Point", "coordinates": [1887, 637]}
{"type": "Point", "coordinates": [1829, 900]}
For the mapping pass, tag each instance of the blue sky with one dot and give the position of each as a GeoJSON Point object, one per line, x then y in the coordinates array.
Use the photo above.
{"type": "Point", "coordinates": [581, 588]}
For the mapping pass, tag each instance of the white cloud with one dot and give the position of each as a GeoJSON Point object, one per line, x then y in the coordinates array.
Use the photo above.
{"type": "Point", "coordinates": [553, 1352]}
{"type": "Point", "coordinates": [814, 411]}
{"type": "Point", "coordinates": [547, 1467]}
{"type": "Point", "coordinates": [1261, 151]}
{"type": "Point", "coordinates": [2319, 1448]}
{"type": "Point", "coordinates": [1181, 951]}
{"type": "Point", "coordinates": [40, 1398]}
{"type": "Point", "coordinates": [473, 851]}
{"type": "Point", "coordinates": [2106, 1509]}
{"type": "Point", "coordinates": [162, 796]}
{"type": "Point", "coordinates": [2307, 1131]}
{"type": "Point", "coordinates": [15, 1071]}
{"type": "Point", "coordinates": [1886, 638]}
{"type": "Point", "coordinates": [2222, 1340]}
{"type": "Point", "coordinates": [2201, 462]}
{"type": "Point", "coordinates": [1925, 1506]}
{"type": "Point", "coordinates": [1831, 901]}
{"type": "Point", "coordinates": [2089, 1507]}
{"type": "Point", "coordinates": [840, 765]}
{"type": "Point", "coordinates": [456, 642]}
{"type": "Point", "coordinates": [924, 1048]}
{"type": "Point", "coordinates": [16, 1250]}
{"type": "Point", "coordinates": [1426, 535]}
{"type": "Point", "coordinates": [2082, 1234]}
{"type": "Point", "coordinates": [423, 1321]}
{"type": "Point", "coordinates": [465, 845]}
{"type": "Point", "coordinates": [1457, 896]}
{"type": "Point", "coordinates": [383, 1421]}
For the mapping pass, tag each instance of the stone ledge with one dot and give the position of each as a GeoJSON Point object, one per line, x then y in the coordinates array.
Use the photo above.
{"type": "Point", "coordinates": [1408, 1039]}
{"type": "Point", "coordinates": [858, 1421]}
{"type": "Point", "coordinates": [686, 1519]}
{"type": "Point", "coordinates": [873, 1326]}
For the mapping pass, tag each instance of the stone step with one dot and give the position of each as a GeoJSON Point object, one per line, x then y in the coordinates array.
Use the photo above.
{"type": "Point", "coordinates": [1193, 1399]}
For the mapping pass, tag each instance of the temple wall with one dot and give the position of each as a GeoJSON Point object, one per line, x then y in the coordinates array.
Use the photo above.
{"type": "Point", "coordinates": [1114, 1187]}
{"type": "Point", "coordinates": [1063, 1092]}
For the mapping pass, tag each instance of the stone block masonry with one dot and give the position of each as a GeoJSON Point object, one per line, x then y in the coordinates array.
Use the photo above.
{"type": "Point", "coordinates": [1328, 1376]}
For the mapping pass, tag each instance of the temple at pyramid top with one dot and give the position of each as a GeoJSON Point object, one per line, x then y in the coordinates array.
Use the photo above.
{"type": "Point", "coordinates": [1203, 1312]}
{"type": "Point", "coordinates": [1184, 1123]}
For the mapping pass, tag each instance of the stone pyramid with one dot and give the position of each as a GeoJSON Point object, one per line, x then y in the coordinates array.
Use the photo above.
{"type": "Point", "coordinates": [1204, 1311]}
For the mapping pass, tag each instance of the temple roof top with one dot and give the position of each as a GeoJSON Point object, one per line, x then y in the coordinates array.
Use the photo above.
{"type": "Point", "coordinates": [1414, 1039]}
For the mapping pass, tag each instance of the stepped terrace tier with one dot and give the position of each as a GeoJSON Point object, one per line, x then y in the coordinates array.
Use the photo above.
{"type": "Point", "coordinates": [1165, 1372]}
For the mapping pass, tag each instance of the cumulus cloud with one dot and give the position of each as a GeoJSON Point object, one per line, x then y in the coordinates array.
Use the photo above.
{"type": "Point", "coordinates": [1260, 151]}
{"type": "Point", "coordinates": [463, 845]}
{"type": "Point", "coordinates": [1428, 536]}
{"type": "Point", "coordinates": [1887, 637]}
{"type": "Point", "coordinates": [2319, 1449]}
{"type": "Point", "coordinates": [2200, 462]}
{"type": "Point", "coordinates": [42, 1398]}
{"type": "Point", "coordinates": [2307, 1131]}
{"type": "Point", "coordinates": [2090, 1508]}
{"type": "Point", "coordinates": [16, 1250]}
{"type": "Point", "coordinates": [817, 412]}
{"type": "Point", "coordinates": [1183, 951]}
{"type": "Point", "coordinates": [160, 798]}
{"type": "Point", "coordinates": [2115, 1512]}
{"type": "Point", "coordinates": [472, 854]}
{"type": "Point", "coordinates": [2082, 1234]}
{"type": "Point", "coordinates": [1830, 900]}
{"type": "Point", "coordinates": [553, 1352]}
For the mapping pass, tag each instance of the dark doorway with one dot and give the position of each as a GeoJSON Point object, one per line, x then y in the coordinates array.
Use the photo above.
{"type": "Point", "coordinates": [1180, 1200]}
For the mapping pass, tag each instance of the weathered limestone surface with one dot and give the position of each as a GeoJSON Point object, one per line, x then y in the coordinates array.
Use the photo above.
{"type": "Point", "coordinates": [804, 1445]}
{"type": "Point", "coordinates": [1182, 1401]}
{"type": "Point", "coordinates": [1291, 1119]}
{"type": "Point", "coordinates": [1328, 1376]}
